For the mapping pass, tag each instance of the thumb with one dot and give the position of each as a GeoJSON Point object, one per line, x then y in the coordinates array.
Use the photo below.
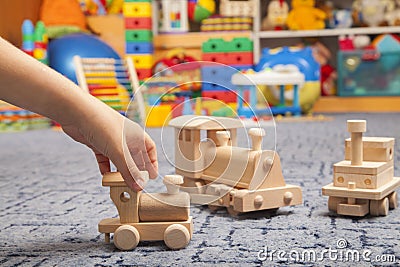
{"type": "Point", "coordinates": [130, 172]}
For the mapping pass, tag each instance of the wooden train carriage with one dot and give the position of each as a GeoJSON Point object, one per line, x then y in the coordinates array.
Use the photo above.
{"type": "Point", "coordinates": [219, 173]}
{"type": "Point", "coordinates": [364, 182]}
{"type": "Point", "coordinates": [148, 216]}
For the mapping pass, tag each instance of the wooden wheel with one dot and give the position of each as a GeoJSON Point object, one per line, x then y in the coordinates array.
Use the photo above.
{"type": "Point", "coordinates": [126, 237]}
{"type": "Point", "coordinates": [334, 201]}
{"type": "Point", "coordinates": [379, 207]}
{"type": "Point", "coordinates": [176, 236]}
{"type": "Point", "coordinates": [393, 201]}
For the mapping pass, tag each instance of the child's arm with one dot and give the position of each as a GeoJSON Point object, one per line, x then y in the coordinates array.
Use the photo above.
{"type": "Point", "coordinates": [31, 85]}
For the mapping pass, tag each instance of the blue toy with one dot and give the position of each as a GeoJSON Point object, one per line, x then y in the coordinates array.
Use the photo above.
{"type": "Point", "coordinates": [27, 36]}
{"type": "Point", "coordinates": [303, 59]}
{"type": "Point", "coordinates": [62, 50]}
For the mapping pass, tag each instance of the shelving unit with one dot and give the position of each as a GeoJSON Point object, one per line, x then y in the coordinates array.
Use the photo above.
{"type": "Point", "coordinates": [336, 104]}
{"type": "Point", "coordinates": [192, 41]}
{"type": "Point", "coordinates": [328, 32]}
{"type": "Point", "coordinates": [259, 35]}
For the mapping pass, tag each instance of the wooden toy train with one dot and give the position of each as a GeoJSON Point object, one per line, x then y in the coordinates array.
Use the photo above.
{"type": "Point", "coordinates": [219, 174]}
{"type": "Point", "coordinates": [148, 216]}
{"type": "Point", "coordinates": [363, 183]}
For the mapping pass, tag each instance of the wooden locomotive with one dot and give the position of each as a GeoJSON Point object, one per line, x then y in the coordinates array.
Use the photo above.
{"type": "Point", "coordinates": [219, 174]}
{"type": "Point", "coordinates": [363, 183]}
{"type": "Point", "coordinates": [148, 216]}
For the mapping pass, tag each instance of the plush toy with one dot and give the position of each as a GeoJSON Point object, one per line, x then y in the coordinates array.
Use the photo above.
{"type": "Point", "coordinates": [361, 41]}
{"type": "Point", "coordinates": [328, 73]}
{"type": "Point", "coordinates": [277, 14]}
{"type": "Point", "coordinates": [371, 12]}
{"type": "Point", "coordinates": [341, 19]}
{"type": "Point", "coordinates": [62, 17]}
{"type": "Point", "coordinates": [304, 16]}
{"type": "Point", "coordinates": [393, 16]}
{"type": "Point", "coordinates": [328, 8]}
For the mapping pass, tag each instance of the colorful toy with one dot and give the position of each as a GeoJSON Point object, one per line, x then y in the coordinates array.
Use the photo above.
{"type": "Point", "coordinates": [63, 49]}
{"type": "Point", "coordinates": [280, 76]}
{"type": "Point", "coordinates": [219, 174]}
{"type": "Point", "coordinates": [174, 17]}
{"type": "Point", "coordinates": [62, 17]}
{"type": "Point", "coordinates": [220, 23]}
{"type": "Point", "coordinates": [180, 68]}
{"type": "Point", "coordinates": [115, 6]}
{"type": "Point", "coordinates": [355, 68]}
{"type": "Point", "coordinates": [28, 37]}
{"type": "Point", "coordinates": [233, 8]}
{"type": "Point", "coordinates": [328, 8]}
{"type": "Point", "coordinates": [328, 73]}
{"type": "Point", "coordinates": [304, 60]}
{"type": "Point", "coordinates": [216, 77]}
{"type": "Point", "coordinates": [92, 7]}
{"type": "Point", "coordinates": [328, 80]}
{"type": "Point", "coordinates": [139, 35]}
{"type": "Point", "coordinates": [35, 40]}
{"type": "Point", "coordinates": [361, 41]}
{"type": "Point", "coordinates": [277, 13]}
{"type": "Point", "coordinates": [148, 216]}
{"type": "Point", "coordinates": [363, 183]}
{"type": "Point", "coordinates": [304, 16]}
{"type": "Point", "coordinates": [200, 9]}
{"type": "Point", "coordinates": [40, 43]}
{"type": "Point", "coordinates": [388, 45]}
{"type": "Point", "coordinates": [371, 12]}
{"type": "Point", "coordinates": [168, 92]}
{"type": "Point", "coordinates": [14, 119]}
{"type": "Point", "coordinates": [393, 16]}
{"type": "Point", "coordinates": [114, 82]}
{"type": "Point", "coordinates": [341, 19]}
{"type": "Point", "coordinates": [346, 43]}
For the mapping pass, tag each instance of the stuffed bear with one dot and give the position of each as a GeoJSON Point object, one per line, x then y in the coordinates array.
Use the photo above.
{"type": "Point", "coordinates": [304, 16]}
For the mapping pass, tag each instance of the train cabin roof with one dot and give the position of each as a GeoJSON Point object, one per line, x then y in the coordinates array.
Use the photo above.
{"type": "Point", "coordinates": [194, 122]}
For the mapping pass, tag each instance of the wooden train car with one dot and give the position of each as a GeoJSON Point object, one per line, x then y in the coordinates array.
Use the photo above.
{"type": "Point", "coordinates": [364, 182]}
{"type": "Point", "coordinates": [148, 216]}
{"type": "Point", "coordinates": [219, 174]}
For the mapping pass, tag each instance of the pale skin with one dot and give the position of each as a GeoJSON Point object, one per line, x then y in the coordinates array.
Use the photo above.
{"type": "Point", "coordinates": [31, 85]}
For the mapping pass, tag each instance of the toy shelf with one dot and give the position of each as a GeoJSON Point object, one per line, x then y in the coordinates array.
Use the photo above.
{"type": "Point", "coordinates": [193, 39]}
{"type": "Point", "coordinates": [275, 37]}
{"type": "Point", "coordinates": [190, 41]}
{"type": "Point", "coordinates": [328, 32]}
{"type": "Point", "coordinates": [331, 104]}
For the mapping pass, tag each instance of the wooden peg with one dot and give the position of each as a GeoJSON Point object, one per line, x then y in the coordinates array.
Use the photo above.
{"type": "Point", "coordinates": [256, 135]}
{"type": "Point", "coordinates": [356, 128]}
{"type": "Point", "coordinates": [172, 183]}
{"type": "Point", "coordinates": [223, 138]}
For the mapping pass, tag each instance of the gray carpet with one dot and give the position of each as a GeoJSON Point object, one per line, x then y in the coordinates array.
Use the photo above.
{"type": "Point", "coordinates": [51, 200]}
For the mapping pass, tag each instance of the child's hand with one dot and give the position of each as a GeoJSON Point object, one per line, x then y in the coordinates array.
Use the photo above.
{"type": "Point", "coordinates": [29, 84]}
{"type": "Point", "coordinates": [123, 142]}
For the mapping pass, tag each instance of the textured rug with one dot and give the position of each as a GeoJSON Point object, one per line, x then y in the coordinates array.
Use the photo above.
{"type": "Point", "coordinates": [51, 200]}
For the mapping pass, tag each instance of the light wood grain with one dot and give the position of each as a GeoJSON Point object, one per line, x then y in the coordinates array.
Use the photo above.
{"type": "Point", "coordinates": [149, 231]}
{"type": "Point", "coordinates": [376, 194]}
